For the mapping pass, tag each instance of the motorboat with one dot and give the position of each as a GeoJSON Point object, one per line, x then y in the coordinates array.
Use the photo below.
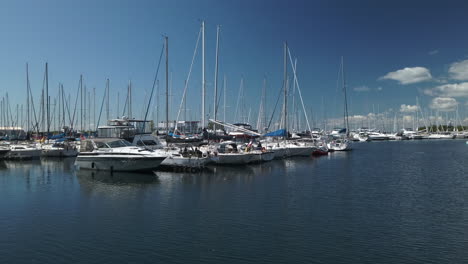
{"type": "Point", "coordinates": [441, 136]}
{"type": "Point", "coordinates": [3, 151]}
{"type": "Point", "coordinates": [116, 155]}
{"type": "Point", "coordinates": [227, 153]}
{"type": "Point", "coordinates": [377, 136]}
{"type": "Point", "coordinates": [23, 151]}
{"type": "Point", "coordinates": [59, 149]}
{"type": "Point", "coordinates": [339, 145]}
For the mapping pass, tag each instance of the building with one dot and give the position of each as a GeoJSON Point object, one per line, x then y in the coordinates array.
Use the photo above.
{"type": "Point", "coordinates": [185, 127]}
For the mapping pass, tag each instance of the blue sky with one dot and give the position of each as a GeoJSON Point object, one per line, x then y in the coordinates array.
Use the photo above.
{"type": "Point", "coordinates": [121, 40]}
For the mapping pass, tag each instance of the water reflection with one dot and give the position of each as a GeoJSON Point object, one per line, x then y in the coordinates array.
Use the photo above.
{"type": "Point", "coordinates": [116, 178]}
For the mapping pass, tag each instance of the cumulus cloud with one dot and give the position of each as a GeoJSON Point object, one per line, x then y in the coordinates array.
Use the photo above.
{"type": "Point", "coordinates": [408, 108]}
{"type": "Point", "coordinates": [459, 70]}
{"type": "Point", "coordinates": [433, 52]}
{"type": "Point", "coordinates": [449, 90]}
{"type": "Point", "coordinates": [443, 104]}
{"type": "Point", "coordinates": [379, 88]}
{"type": "Point", "coordinates": [407, 118]}
{"type": "Point", "coordinates": [361, 89]}
{"type": "Point", "coordinates": [409, 75]}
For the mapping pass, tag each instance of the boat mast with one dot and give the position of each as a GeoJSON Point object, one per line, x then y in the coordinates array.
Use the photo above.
{"type": "Point", "coordinates": [346, 122]}
{"type": "Point", "coordinates": [27, 98]}
{"type": "Point", "coordinates": [167, 85]}
{"type": "Point", "coordinates": [107, 101]}
{"type": "Point", "coordinates": [47, 98]}
{"type": "Point", "coordinates": [203, 76]}
{"type": "Point", "coordinates": [215, 108]}
{"type": "Point", "coordinates": [224, 98]}
{"type": "Point", "coordinates": [81, 103]}
{"type": "Point", "coordinates": [285, 88]}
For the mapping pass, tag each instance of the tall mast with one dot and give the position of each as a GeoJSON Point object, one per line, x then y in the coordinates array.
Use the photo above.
{"type": "Point", "coordinates": [94, 105]}
{"type": "Point", "coordinates": [130, 113]}
{"type": "Point", "coordinates": [27, 98]}
{"type": "Point", "coordinates": [47, 98]}
{"type": "Point", "coordinates": [81, 102]}
{"type": "Point", "coordinates": [157, 104]}
{"type": "Point", "coordinates": [203, 76]}
{"type": "Point", "coordinates": [107, 101]}
{"type": "Point", "coordinates": [167, 85]}
{"type": "Point", "coordinates": [224, 98]}
{"type": "Point", "coordinates": [346, 122]}
{"type": "Point", "coordinates": [216, 76]}
{"type": "Point", "coordinates": [285, 84]}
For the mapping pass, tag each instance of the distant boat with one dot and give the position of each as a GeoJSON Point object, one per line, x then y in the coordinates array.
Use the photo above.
{"type": "Point", "coordinates": [23, 151]}
{"type": "Point", "coordinates": [341, 144]}
{"type": "Point", "coordinates": [59, 149]}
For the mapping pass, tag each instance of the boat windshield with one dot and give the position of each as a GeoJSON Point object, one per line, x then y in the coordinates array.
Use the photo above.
{"type": "Point", "coordinates": [118, 143]}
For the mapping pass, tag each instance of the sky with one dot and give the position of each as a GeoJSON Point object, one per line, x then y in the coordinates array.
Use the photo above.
{"type": "Point", "coordinates": [393, 51]}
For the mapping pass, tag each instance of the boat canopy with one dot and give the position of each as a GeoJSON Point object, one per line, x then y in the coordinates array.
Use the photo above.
{"type": "Point", "coordinates": [57, 136]}
{"type": "Point", "coordinates": [277, 133]}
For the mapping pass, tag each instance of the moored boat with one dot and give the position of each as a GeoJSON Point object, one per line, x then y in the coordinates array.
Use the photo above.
{"type": "Point", "coordinates": [116, 155]}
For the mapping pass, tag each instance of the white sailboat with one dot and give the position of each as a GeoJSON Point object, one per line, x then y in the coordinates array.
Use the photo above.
{"type": "Point", "coordinates": [342, 143]}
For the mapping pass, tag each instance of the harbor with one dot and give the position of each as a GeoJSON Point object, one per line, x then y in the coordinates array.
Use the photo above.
{"type": "Point", "coordinates": [211, 131]}
{"type": "Point", "coordinates": [340, 208]}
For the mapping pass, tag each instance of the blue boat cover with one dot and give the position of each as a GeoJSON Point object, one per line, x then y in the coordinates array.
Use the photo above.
{"type": "Point", "coordinates": [57, 136]}
{"type": "Point", "coordinates": [277, 133]}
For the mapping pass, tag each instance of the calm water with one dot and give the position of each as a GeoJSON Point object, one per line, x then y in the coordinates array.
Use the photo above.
{"type": "Point", "coordinates": [388, 202]}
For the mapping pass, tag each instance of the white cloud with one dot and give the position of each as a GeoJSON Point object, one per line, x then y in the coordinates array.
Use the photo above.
{"type": "Point", "coordinates": [433, 52]}
{"type": "Point", "coordinates": [443, 104]}
{"type": "Point", "coordinates": [408, 108]}
{"type": "Point", "coordinates": [361, 89]}
{"type": "Point", "coordinates": [379, 88]}
{"type": "Point", "coordinates": [449, 90]}
{"type": "Point", "coordinates": [459, 70]}
{"type": "Point", "coordinates": [409, 75]}
{"type": "Point", "coordinates": [407, 118]}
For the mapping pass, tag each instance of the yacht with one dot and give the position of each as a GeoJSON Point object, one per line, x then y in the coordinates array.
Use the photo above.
{"type": "Point", "coordinates": [227, 153]}
{"type": "Point", "coordinates": [23, 151]}
{"type": "Point", "coordinates": [116, 155]}
{"type": "Point", "coordinates": [341, 144]}
{"type": "Point", "coordinates": [59, 149]}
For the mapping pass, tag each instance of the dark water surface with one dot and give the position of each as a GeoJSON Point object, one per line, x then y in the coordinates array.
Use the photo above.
{"type": "Point", "coordinates": [387, 202]}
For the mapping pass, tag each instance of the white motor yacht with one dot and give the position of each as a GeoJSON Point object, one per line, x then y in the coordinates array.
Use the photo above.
{"type": "Point", "coordinates": [23, 151]}
{"type": "Point", "coordinates": [116, 155]}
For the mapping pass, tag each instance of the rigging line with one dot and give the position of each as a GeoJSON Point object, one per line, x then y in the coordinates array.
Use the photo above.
{"type": "Point", "coordinates": [276, 105]}
{"type": "Point", "coordinates": [299, 89]}
{"type": "Point", "coordinates": [32, 104]}
{"type": "Point", "coordinates": [102, 105]}
{"type": "Point", "coordinates": [152, 89]}
{"type": "Point", "coordinates": [188, 78]}
{"type": "Point", "coordinates": [76, 102]}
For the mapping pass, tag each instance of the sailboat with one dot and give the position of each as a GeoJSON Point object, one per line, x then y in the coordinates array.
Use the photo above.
{"type": "Point", "coordinates": [342, 143]}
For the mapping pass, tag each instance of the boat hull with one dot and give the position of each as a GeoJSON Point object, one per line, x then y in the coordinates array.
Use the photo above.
{"type": "Point", "coordinates": [118, 163]}
{"type": "Point", "coordinates": [59, 152]}
{"type": "Point", "coordinates": [21, 154]}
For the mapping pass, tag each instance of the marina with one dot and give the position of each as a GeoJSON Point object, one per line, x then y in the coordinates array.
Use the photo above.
{"type": "Point", "coordinates": [400, 206]}
{"type": "Point", "coordinates": [216, 131]}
